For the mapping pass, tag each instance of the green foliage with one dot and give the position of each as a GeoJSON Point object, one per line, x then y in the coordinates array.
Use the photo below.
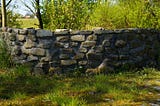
{"type": "Point", "coordinates": [19, 95]}
{"type": "Point", "coordinates": [12, 20]}
{"type": "Point", "coordinates": [126, 14]}
{"type": "Point", "coordinates": [59, 98]}
{"type": "Point", "coordinates": [5, 58]}
{"type": "Point", "coordinates": [70, 14]}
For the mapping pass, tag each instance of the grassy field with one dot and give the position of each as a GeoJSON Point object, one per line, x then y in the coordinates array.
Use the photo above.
{"type": "Point", "coordinates": [28, 23]}
{"type": "Point", "coordinates": [19, 88]}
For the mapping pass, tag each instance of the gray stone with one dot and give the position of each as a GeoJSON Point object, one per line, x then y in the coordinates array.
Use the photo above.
{"type": "Point", "coordinates": [29, 44]}
{"type": "Point", "coordinates": [31, 31]}
{"type": "Point", "coordinates": [15, 30]}
{"type": "Point", "coordinates": [67, 50]}
{"type": "Point", "coordinates": [138, 59]}
{"type": "Point", "coordinates": [32, 58]}
{"type": "Point", "coordinates": [21, 37]}
{"type": "Point", "coordinates": [25, 51]}
{"type": "Point", "coordinates": [94, 56]}
{"type": "Point", "coordinates": [59, 32]}
{"type": "Point", "coordinates": [92, 38]}
{"type": "Point", "coordinates": [12, 36]}
{"type": "Point", "coordinates": [68, 62]}
{"type": "Point", "coordinates": [23, 31]}
{"type": "Point", "coordinates": [21, 57]}
{"type": "Point", "coordinates": [61, 45]}
{"type": "Point", "coordinates": [135, 43]}
{"type": "Point", "coordinates": [32, 37]}
{"type": "Point", "coordinates": [84, 32]}
{"type": "Point", "coordinates": [113, 56]}
{"type": "Point", "coordinates": [62, 38]}
{"type": "Point", "coordinates": [137, 51]}
{"type": "Point", "coordinates": [97, 49]}
{"type": "Point", "coordinates": [123, 57]}
{"type": "Point", "coordinates": [78, 38]}
{"type": "Point", "coordinates": [44, 33]}
{"type": "Point", "coordinates": [9, 30]}
{"type": "Point", "coordinates": [106, 43]}
{"type": "Point", "coordinates": [64, 56]}
{"type": "Point", "coordinates": [157, 88]}
{"type": "Point", "coordinates": [45, 59]}
{"type": "Point", "coordinates": [120, 43]}
{"type": "Point", "coordinates": [16, 50]}
{"type": "Point", "coordinates": [74, 44]}
{"type": "Point", "coordinates": [88, 44]}
{"type": "Point", "coordinates": [82, 63]}
{"type": "Point", "coordinates": [46, 44]}
{"type": "Point", "coordinates": [78, 56]}
{"type": "Point", "coordinates": [38, 51]}
{"type": "Point", "coordinates": [83, 50]}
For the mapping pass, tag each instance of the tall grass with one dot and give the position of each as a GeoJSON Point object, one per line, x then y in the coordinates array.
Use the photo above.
{"type": "Point", "coordinates": [5, 57]}
{"type": "Point", "coordinates": [60, 98]}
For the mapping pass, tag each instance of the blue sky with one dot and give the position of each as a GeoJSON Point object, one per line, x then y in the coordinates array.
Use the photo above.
{"type": "Point", "coordinates": [20, 8]}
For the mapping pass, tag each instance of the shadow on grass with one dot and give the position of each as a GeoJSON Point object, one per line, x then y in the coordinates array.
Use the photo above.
{"type": "Point", "coordinates": [18, 81]}
{"type": "Point", "coordinates": [92, 89]}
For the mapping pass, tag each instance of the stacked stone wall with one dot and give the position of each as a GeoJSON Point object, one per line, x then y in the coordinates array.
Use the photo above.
{"type": "Point", "coordinates": [64, 49]}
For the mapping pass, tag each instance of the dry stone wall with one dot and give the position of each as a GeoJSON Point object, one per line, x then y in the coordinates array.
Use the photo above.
{"type": "Point", "coordinates": [63, 50]}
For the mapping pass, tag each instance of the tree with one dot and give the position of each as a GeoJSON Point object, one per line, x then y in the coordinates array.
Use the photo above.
{"type": "Point", "coordinates": [3, 11]}
{"type": "Point", "coordinates": [4, 14]}
{"type": "Point", "coordinates": [126, 13]}
{"type": "Point", "coordinates": [35, 8]}
{"type": "Point", "coordinates": [68, 14]}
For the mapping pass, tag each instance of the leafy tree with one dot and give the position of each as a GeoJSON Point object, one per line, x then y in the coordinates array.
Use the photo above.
{"type": "Point", "coordinates": [70, 14]}
{"type": "Point", "coordinates": [7, 18]}
{"type": "Point", "coordinates": [127, 13]}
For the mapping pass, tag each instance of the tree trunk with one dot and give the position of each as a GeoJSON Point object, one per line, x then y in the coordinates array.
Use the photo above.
{"type": "Point", "coordinates": [4, 14]}
{"type": "Point", "coordinates": [38, 14]}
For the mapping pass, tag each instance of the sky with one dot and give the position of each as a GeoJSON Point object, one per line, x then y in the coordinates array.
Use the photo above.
{"type": "Point", "coordinates": [20, 8]}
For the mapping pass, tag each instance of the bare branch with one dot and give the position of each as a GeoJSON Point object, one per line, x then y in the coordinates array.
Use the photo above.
{"type": "Point", "coordinates": [27, 6]}
{"type": "Point", "coordinates": [8, 3]}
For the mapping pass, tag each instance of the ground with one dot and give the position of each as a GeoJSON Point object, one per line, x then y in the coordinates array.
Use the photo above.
{"type": "Point", "coordinates": [28, 23]}
{"type": "Point", "coordinates": [140, 88]}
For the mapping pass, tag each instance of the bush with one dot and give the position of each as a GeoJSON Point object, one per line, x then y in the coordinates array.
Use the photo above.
{"type": "Point", "coordinates": [126, 14]}
{"type": "Point", "coordinates": [62, 14]}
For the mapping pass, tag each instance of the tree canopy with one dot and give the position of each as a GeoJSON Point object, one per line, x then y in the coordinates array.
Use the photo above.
{"type": "Point", "coordinates": [85, 14]}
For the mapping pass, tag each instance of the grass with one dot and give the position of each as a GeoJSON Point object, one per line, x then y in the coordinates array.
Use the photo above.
{"type": "Point", "coordinates": [18, 87]}
{"type": "Point", "coordinates": [28, 23]}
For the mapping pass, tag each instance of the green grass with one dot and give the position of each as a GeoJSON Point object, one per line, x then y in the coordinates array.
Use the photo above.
{"type": "Point", "coordinates": [18, 87]}
{"type": "Point", "coordinates": [28, 23]}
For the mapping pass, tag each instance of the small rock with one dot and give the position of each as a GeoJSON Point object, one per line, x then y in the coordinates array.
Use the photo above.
{"type": "Point", "coordinates": [78, 38]}
{"type": "Point", "coordinates": [88, 44]}
{"type": "Point", "coordinates": [153, 104]}
{"type": "Point", "coordinates": [43, 33]}
{"type": "Point", "coordinates": [120, 43]}
{"type": "Point", "coordinates": [68, 62]}
{"type": "Point", "coordinates": [92, 38]}
{"type": "Point", "coordinates": [157, 88]}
